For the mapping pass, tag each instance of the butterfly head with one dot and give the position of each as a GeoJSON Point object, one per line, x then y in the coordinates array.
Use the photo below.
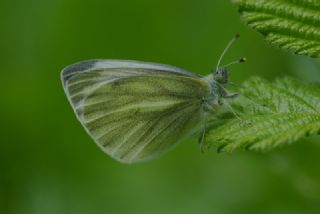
{"type": "Point", "coordinates": [220, 75]}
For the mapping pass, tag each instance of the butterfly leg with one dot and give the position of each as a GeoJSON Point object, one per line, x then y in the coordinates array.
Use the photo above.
{"type": "Point", "coordinates": [202, 137]}
{"type": "Point", "coordinates": [232, 96]}
{"type": "Point", "coordinates": [207, 108]}
{"type": "Point", "coordinates": [225, 102]}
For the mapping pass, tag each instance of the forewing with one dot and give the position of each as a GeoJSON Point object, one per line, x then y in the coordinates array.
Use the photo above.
{"type": "Point", "coordinates": [81, 78]}
{"type": "Point", "coordinates": [134, 113]}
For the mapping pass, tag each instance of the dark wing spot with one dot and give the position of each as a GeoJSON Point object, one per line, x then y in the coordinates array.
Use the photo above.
{"type": "Point", "coordinates": [73, 69]}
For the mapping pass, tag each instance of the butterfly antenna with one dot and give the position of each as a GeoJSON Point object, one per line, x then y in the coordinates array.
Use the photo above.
{"type": "Point", "coordinates": [242, 60]}
{"type": "Point", "coordinates": [227, 48]}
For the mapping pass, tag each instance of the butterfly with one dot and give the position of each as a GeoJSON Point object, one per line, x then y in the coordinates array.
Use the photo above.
{"type": "Point", "coordinates": [135, 110]}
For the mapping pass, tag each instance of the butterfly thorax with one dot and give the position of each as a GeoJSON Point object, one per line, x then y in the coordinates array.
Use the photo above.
{"type": "Point", "coordinates": [217, 83]}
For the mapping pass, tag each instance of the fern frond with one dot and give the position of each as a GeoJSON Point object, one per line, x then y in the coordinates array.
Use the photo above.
{"type": "Point", "coordinates": [272, 114]}
{"type": "Point", "coordinates": [289, 24]}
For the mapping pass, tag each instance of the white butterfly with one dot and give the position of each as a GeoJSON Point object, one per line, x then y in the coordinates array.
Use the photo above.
{"type": "Point", "coordinates": [137, 110]}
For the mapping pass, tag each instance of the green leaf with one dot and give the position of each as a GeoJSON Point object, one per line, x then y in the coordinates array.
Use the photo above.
{"type": "Point", "coordinates": [289, 24]}
{"type": "Point", "coordinates": [272, 114]}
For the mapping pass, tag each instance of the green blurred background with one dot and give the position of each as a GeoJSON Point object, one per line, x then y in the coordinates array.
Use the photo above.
{"type": "Point", "coordinates": [49, 164]}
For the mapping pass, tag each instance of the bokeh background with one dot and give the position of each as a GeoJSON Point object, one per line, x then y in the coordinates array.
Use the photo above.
{"type": "Point", "coordinates": [49, 164]}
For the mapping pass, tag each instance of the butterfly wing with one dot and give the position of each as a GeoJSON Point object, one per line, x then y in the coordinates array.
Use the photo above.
{"type": "Point", "coordinates": [134, 110]}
